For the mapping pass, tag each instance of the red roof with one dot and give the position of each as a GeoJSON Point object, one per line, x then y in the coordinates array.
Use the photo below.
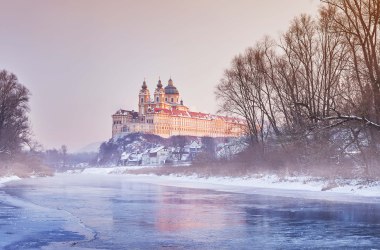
{"type": "Point", "coordinates": [159, 110]}
{"type": "Point", "coordinates": [199, 115]}
{"type": "Point", "coordinates": [176, 112]}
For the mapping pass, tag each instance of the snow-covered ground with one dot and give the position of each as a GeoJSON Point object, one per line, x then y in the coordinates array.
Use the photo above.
{"type": "Point", "coordinates": [8, 179]}
{"type": "Point", "coordinates": [301, 186]}
{"type": "Point", "coordinates": [352, 190]}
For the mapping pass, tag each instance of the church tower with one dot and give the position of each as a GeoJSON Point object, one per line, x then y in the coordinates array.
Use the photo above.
{"type": "Point", "coordinates": [159, 95]}
{"type": "Point", "coordinates": [144, 99]}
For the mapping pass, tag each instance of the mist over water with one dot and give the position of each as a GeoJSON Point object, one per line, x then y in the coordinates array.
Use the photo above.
{"type": "Point", "coordinates": [110, 212]}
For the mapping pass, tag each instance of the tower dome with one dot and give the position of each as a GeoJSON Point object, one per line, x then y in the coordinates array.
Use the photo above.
{"type": "Point", "coordinates": [170, 82]}
{"type": "Point", "coordinates": [144, 86]}
{"type": "Point", "coordinates": [159, 84]}
{"type": "Point", "coordinates": [171, 89]}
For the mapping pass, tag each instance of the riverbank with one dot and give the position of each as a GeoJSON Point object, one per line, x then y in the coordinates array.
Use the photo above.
{"type": "Point", "coordinates": [24, 166]}
{"type": "Point", "coordinates": [6, 179]}
{"type": "Point", "coordinates": [351, 190]}
{"type": "Point", "coordinates": [339, 189]}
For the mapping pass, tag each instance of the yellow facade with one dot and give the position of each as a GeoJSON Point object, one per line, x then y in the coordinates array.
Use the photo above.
{"type": "Point", "coordinates": [165, 115]}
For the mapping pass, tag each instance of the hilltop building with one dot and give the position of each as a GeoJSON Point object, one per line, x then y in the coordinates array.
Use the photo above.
{"type": "Point", "coordinates": [166, 115]}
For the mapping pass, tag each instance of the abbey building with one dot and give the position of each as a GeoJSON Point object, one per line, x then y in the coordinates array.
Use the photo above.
{"type": "Point", "coordinates": [166, 115]}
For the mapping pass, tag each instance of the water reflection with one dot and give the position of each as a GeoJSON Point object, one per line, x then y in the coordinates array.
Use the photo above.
{"type": "Point", "coordinates": [191, 210]}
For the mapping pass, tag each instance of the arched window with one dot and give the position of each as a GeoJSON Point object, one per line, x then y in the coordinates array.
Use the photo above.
{"type": "Point", "coordinates": [157, 99]}
{"type": "Point", "coordinates": [142, 100]}
{"type": "Point", "coordinates": [166, 99]}
{"type": "Point", "coordinates": [172, 99]}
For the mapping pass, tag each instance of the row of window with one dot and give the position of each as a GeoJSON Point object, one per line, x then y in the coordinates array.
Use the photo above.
{"type": "Point", "coordinates": [189, 122]}
{"type": "Point", "coordinates": [158, 99]}
{"type": "Point", "coordinates": [213, 130]}
{"type": "Point", "coordinates": [166, 128]}
{"type": "Point", "coordinates": [184, 122]}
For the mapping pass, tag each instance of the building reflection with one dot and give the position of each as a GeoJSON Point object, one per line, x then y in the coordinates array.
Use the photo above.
{"type": "Point", "coordinates": [191, 210]}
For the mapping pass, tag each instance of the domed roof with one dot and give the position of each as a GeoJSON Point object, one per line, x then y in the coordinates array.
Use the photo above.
{"type": "Point", "coordinates": [171, 89]}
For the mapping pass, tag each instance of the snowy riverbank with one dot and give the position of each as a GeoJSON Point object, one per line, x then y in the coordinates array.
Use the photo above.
{"type": "Point", "coordinates": [352, 190]}
{"type": "Point", "coordinates": [5, 179]}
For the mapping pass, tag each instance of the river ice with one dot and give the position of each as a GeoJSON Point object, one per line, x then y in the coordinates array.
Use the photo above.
{"type": "Point", "coordinates": [125, 212]}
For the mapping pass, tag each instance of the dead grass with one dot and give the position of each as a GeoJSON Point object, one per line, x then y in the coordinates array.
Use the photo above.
{"type": "Point", "coordinates": [25, 166]}
{"type": "Point", "coordinates": [231, 169]}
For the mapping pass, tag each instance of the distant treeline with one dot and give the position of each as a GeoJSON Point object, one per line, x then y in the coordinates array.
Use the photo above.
{"type": "Point", "coordinates": [311, 98]}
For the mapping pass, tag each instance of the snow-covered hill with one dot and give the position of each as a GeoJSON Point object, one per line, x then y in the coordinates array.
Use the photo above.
{"type": "Point", "coordinates": [130, 148]}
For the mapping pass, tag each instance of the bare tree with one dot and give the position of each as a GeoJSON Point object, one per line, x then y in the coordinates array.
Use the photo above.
{"type": "Point", "coordinates": [318, 88]}
{"type": "Point", "coordinates": [63, 152]}
{"type": "Point", "coordinates": [14, 125]}
{"type": "Point", "coordinates": [358, 22]}
{"type": "Point", "coordinates": [237, 98]}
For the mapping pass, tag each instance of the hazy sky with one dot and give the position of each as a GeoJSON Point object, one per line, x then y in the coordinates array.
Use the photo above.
{"type": "Point", "coordinates": [84, 59]}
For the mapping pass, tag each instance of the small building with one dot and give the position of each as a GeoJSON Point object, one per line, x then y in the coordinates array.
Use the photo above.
{"type": "Point", "coordinates": [180, 154]}
{"type": "Point", "coordinates": [133, 159]}
{"type": "Point", "coordinates": [155, 156]}
{"type": "Point", "coordinates": [193, 148]}
{"type": "Point", "coordinates": [124, 158]}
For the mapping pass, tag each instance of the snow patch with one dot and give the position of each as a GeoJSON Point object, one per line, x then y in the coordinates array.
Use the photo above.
{"type": "Point", "coordinates": [8, 179]}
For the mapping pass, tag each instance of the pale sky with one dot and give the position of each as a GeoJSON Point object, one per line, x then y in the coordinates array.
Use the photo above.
{"type": "Point", "coordinates": [84, 59]}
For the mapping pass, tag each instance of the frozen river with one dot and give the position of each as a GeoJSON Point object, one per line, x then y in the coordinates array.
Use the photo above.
{"type": "Point", "coordinates": [111, 212]}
